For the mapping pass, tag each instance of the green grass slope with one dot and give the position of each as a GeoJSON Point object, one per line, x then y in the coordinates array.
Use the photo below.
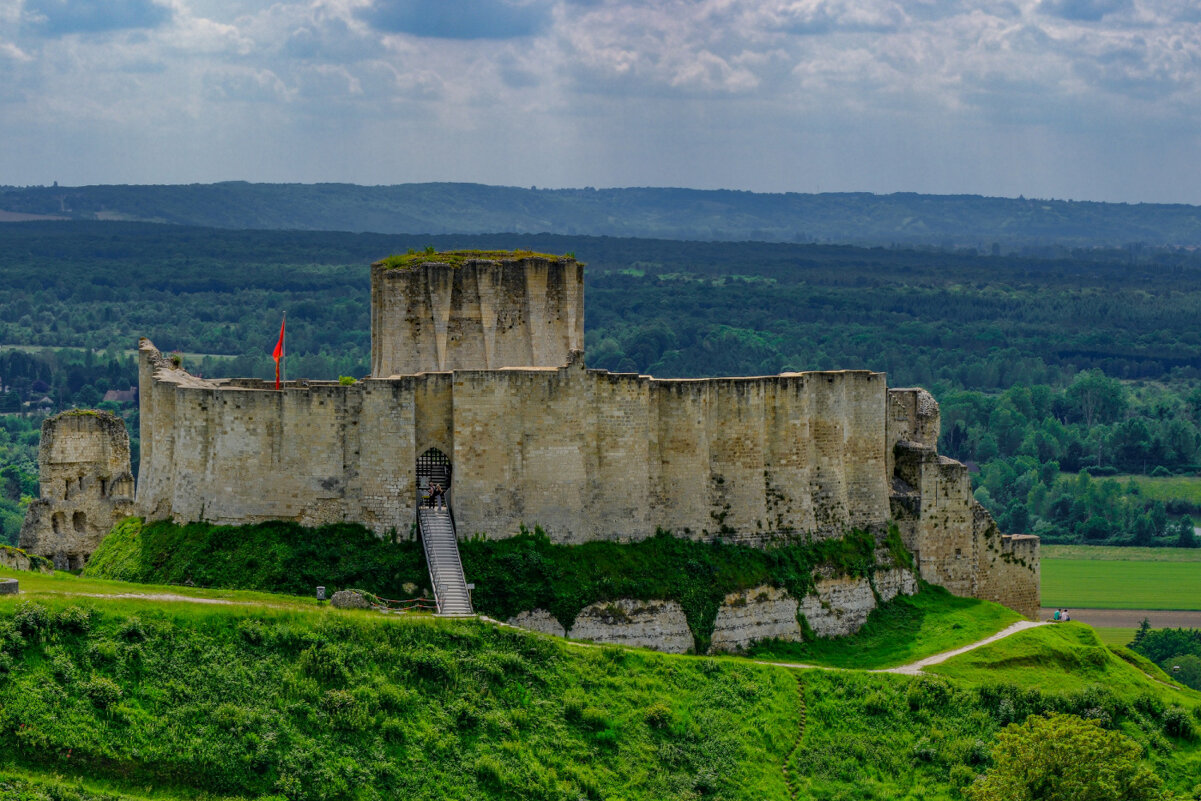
{"type": "Point", "coordinates": [904, 630]}
{"type": "Point", "coordinates": [1066, 657]}
{"type": "Point", "coordinates": [108, 695]}
{"type": "Point", "coordinates": [320, 704]}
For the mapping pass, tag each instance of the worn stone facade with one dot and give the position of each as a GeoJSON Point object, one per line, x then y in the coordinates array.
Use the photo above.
{"type": "Point", "coordinates": [480, 314]}
{"type": "Point", "coordinates": [586, 454]}
{"type": "Point", "coordinates": [86, 486]}
{"type": "Point", "coordinates": [953, 539]}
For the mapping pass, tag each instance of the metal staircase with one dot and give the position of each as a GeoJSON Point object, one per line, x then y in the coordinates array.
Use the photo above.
{"type": "Point", "coordinates": [437, 528]}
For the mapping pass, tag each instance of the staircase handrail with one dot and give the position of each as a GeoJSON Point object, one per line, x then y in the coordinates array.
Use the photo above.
{"type": "Point", "coordinates": [454, 530]}
{"type": "Point", "coordinates": [430, 560]}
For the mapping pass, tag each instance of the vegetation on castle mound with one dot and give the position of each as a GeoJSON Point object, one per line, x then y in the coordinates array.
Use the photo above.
{"type": "Point", "coordinates": [104, 698]}
{"type": "Point", "coordinates": [457, 258]}
{"type": "Point", "coordinates": [511, 575]}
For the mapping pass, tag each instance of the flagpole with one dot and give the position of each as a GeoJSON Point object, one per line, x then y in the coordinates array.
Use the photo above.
{"type": "Point", "coordinates": [283, 354]}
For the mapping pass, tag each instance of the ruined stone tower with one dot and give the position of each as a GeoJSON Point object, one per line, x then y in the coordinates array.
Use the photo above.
{"type": "Point", "coordinates": [86, 486]}
{"type": "Point", "coordinates": [477, 311]}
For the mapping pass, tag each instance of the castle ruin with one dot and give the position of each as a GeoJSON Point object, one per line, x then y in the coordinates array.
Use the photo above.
{"type": "Point", "coordinates": [478, 377]}
{"type": "Point", "coordinates": [86, 487]}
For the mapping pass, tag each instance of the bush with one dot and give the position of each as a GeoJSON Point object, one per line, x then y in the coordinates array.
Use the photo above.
{"type": "Point", "coordinates": [1064, 758]}
{"type": "Point", "coordinates": [103, 691]}
{"type": "Point", "coordinates": [31, 619]}
{"type": "Point", "coordinates": [1176, 723]}
{"type": "Point", "coordinates": [658, 716]}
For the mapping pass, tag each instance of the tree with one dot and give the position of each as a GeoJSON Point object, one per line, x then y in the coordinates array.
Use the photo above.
{"type": "Point", "coordinates": [1096, 398]}
{"type": "Point", "coordinates": [1186, 537]}
{"type": "Point", "coordinates": [1065, 758]}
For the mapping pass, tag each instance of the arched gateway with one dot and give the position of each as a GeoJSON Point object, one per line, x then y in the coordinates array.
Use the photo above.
{"type": "Point", "coordinates": [433, 467]}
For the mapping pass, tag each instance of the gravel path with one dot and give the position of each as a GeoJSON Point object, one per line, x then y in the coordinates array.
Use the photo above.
{"type": "Point", "coordinates": [914, 668]}
{"type": "Point", "coordinates": [1130, 618]}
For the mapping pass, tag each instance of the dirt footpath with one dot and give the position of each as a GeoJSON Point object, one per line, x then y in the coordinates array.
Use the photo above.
{"type": "Point", "coordinates": [1130, 618]}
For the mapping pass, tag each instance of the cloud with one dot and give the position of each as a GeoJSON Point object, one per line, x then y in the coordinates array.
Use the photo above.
{"type": "Point", "coordinates": [458, 19]}
{"type": "Point", "coordinates": [53, 18]}
{"type": "Point", "coordinates": [11, 51]}
{"type": "Point", "coordinates": [830, 16]}
{"type": "Point", "coordinates": [1083, 10]}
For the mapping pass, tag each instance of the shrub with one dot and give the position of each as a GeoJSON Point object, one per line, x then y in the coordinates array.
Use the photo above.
{"type": "Point", "coordinates": [658, 716]}
{"type": "Point", "coordinates": [1029, 762]}
{"type": "Point", "coordinates": [73, 619]}
{"type": "Point", "coordinates": [344, 710]}
{"type": "Point", "coordinates": [1176, 723]}
{"type": "Point", "coordinates": [31, 619]}
{"type": "Point", "coordinates": [132, 630]}
{"type": "Point", "coordinates": [102, 691]}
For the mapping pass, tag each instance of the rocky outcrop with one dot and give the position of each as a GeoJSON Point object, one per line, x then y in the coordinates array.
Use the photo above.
{"type": "Point", "coordinates": [86, 486]}
{"type": "Point", "coordinates": [891, 583]}
{"type": "Point", "coordinates": [659, 625]}
{"type": "Point", "coordinates": [759, 613]}
{"type": "Point", "coordinates": [16, 559]}
{"type": "Point", "coordinates": [538, 620]}
{"type": "Point", "coordinates": [838, 606]}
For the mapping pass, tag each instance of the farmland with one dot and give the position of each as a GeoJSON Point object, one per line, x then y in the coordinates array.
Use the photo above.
{"type": "Point", "coordinates": [1121, 578]}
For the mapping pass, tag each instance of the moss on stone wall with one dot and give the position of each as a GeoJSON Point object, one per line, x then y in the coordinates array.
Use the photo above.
{"type": "Point", "coordinates": [456, 258]}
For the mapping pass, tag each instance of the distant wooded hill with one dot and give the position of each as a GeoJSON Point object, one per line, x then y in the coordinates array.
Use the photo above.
{"type": "Point", "coordinates": [953, 221]}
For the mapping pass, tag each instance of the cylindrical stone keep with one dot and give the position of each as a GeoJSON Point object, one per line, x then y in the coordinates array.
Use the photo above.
{"type": "Point", "coordinates": [474, 310]}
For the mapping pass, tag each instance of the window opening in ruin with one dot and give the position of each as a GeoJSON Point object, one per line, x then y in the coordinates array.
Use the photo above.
{"type": "Point", "coordinates": [432, 468]}
{"type": "Point", "coordinates": [104, 488]}
{"type": "Point", "coordinates": [56, 522]}
{"type": "Point", "coordinates": [80, 522]}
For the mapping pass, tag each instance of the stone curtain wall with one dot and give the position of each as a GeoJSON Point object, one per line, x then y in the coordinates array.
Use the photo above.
{"type": "Point", "coordinates": [586, 454]}
{"type": "Point", "coordinates": [480, 315]}
{"type": "Point", "coordinates": [86, 486]}
{"type": "Point", "coordinates": [593, 455]}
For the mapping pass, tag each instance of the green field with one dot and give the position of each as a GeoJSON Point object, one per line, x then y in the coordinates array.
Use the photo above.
{"type": "Point", "coordinates": [1104, 584]}
{"type": "Point", "coordinates": [1112, 553]}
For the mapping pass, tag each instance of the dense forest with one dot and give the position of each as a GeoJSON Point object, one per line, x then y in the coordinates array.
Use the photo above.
{"type": "Point", "coordinates": [1053, 373]}
{"type": "Point", "coordinates": [966, 221]}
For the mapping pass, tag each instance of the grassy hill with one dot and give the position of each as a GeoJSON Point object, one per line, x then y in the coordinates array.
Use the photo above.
{"type": "Point", "coordinates": [643, 212]}
{"type": "Point", "coordinates": [106, 696]}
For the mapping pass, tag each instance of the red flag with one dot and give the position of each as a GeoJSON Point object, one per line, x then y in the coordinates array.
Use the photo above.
{"type": "Point", "coordinates": [279, 350]}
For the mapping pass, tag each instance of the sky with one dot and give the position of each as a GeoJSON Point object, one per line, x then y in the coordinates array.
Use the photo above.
{"type": "Point", "coordinates": [1068, 99]}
